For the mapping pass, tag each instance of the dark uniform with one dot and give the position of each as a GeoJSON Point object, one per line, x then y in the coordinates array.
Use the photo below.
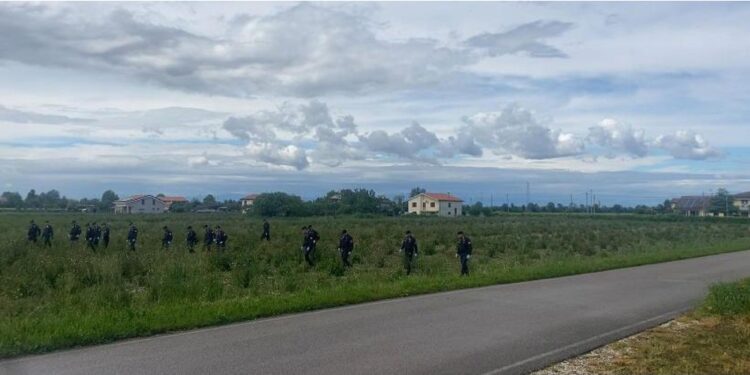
{"type": "Point", "coordinates": [191, 239]}
{"type": "Point", "coordinates": [346, 245]}
{"type": "Point", "coordinates": [167, 238]}
{"type": "Point", "coordinates": [410, 249]}
{"type": "Point", "coordinates": [75, 233]}
{"type": "Point", "coordinates": [47, 234]}
{"type": "Point", "coordinates": [221, 238]}
{"type": "Point", "coordinates": [132, 236]}
{"type": "Point", "coordinates": [90, 237]}
{"type": "Point", "coordinates": [266, 231]}
{"type": "Point", "coordinates": [33, 233]}
{"type": "Point", "coordinates": [105, 235]}
{"type": "Point", "coordinates": [208, 237]}
{"type": "Point", "coordinates": [463, 252]}
{"type": "Point", "coordinates": [97, 233]}
{"type": "Point", "coordinates": [309, 243]}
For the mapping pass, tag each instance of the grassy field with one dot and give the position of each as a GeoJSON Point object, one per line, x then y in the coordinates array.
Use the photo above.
{"type": "Point", "coordinates": [63, 296]}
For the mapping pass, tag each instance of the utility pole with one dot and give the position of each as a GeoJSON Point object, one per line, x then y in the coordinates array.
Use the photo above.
{"type": "Point", "coordinates": [593, 202]}
{"type": "Point", "coordinates": [528, 193]}
{"type": "Point", "coordinates": [587, 202]}
{"type": "Point", "coordinates": [507, 202]}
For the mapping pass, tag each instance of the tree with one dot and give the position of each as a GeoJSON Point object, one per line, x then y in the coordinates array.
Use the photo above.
{"type": "Point", "coordinates": [721, 202]}
{"type": "Point", "coordinates": [278, 204]}
{"type": "Point", "coordinates": [108, 199]}
{"type": "Point", "coordinates": [416, 191]}
{"type": "Point", "coordinates": [11, 199]}
{"type": "Point", "coordinates": [209, 201]}
{"type": "Point", "coordinates": [32, 200]}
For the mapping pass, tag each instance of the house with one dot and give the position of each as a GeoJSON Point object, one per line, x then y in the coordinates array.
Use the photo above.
{"type": "Point", "coordinates": [170, 200]}
{"type": "Point", "coordinates": [692, 205]}
{"type": "Point", "coordinates": [742, 202]}
{"type": "Point", "coordinates": [140, 204]}
{"type": "Point", "coordinates": [248, 200]}
{"type": "Point", "coordinates": [436, 204]}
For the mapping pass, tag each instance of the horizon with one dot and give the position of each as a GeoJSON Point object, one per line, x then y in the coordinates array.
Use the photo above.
{"type": "Point", "coordinates": [639, 102]}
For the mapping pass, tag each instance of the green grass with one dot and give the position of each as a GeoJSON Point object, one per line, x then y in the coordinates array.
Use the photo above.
{"type": "Point", "coordinates": [63, 297]}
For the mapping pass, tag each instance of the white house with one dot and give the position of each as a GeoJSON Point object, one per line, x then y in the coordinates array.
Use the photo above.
{"type": "Point", "coordinates": [742, 202]}
{"type": "Point", "coordinates": [436, 204]}
{"type": "Point", "coordinates": [248, 200]}
{"type": "Point", "coordinates": [140, 204]}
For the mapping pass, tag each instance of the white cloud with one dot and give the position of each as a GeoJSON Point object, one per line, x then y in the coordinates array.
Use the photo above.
{"type": "Point", "coordinates": [619, 137]}
{"type": "Point", "coordinates": [515, 131]}
{"type": "Point", "coordinates": [526, 38]}
{"type": "Point", "coordinates": [274, 154]}
{"type": "Point", "coordinates": [686, 144]}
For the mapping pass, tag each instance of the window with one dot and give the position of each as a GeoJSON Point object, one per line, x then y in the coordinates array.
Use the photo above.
{"type": "Point", "coordinates": [153, 202]}
{"type": "Point", "coordinates": [432, 204]}
{"type": "Point", "coordinates": [449, 204]}
{"type": "Point", "coordinates": [414, 204]}
{"type": "Point", "coordinates": [424, 204]}
{"type": "Point", "coordinates": [143, 202]}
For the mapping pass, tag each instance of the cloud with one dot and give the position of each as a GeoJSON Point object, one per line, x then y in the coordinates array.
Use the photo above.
{"type": "Point", "coordinates": [686, 144]}
{"type": "Point", "coordinates": [25, 117]}
{"type": "Point", "coordinates": [515, 131]}
{"type": "Point", "coordinates": [619, 137]}
{"type": "Point", "coordinates": [407, 144]}
{"type": "Point", "coordinates": [526, 38]}
{"type": "Point", "coordinates": [275, 154]}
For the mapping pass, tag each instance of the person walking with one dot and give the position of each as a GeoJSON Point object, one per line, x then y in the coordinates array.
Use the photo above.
{"type": "Point", "coordinates": [166, 239]}
{"type": "Point", "coordinates": [33, 233]}
{"type": "Point", "coordinates": [191, 239]}
{"type": "Point", "coordinates": [132, 236]}
{"type": "Point", "coordinates": [105, 235]}
{"type": "Point", "coordinates": [74, 233]}
{"type": "Point", "coordinates": [410, 249]}
{"type": "Point", "coordinates": [47, 234]}
{"type": "Point", "coordinates": [463, 252]}
{"type": "Point", "coordinates": [208, 237]}
{"type": "Point", "coordinates": [266, 231]}
{"type": "Point", "coordinates": [346, 245]}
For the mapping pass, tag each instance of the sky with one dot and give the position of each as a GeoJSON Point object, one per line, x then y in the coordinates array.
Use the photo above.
{"type": "Point", "coordinates": [635, 102]}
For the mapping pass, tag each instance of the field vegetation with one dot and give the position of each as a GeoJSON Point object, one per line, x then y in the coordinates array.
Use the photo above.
{"type": "Point", "coordinates": [65, 296]}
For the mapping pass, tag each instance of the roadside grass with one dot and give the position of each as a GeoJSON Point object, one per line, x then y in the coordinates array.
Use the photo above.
{"type": "Point", "coordinates": [63, 297]}
{"type": "Point", "coordinates": [713, 339]}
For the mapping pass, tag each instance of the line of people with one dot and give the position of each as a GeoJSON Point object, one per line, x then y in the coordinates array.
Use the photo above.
{"type": "Point", "coordinates": [310, 238]}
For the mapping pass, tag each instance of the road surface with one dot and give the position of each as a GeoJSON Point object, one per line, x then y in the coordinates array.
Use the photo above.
{"type": "Point", "coordinates": [504, 329]}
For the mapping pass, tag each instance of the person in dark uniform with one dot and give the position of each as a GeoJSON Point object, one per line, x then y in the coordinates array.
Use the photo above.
{"type": "Point", "coordinates": [33, 233]}
{"type": "Point", "coordinates": [266, 231]}
{"type": "Point", "coordinates": [97, 233]}
{"type": "Point", "coordinates": [105, 235]}
{"type": "Point", "coordinates": [90, 237]}
{"type": "Point", "coordinates": [132, 236]}
{"type": "Point", "coordinates": [191, 239]}
{"type": "Point", "coordinates": [75, 233]}
{"type": "Point", "coordinates": [208, 237]}
{"type": "Point", "coordinates": [311, 241]}
{"type": "Point", "coordinates": [167, 238]}
{"type": "Point", "coordinates": [221, 238]}
{"type": "Point", "coordinates": [47, 234]}
{"type": "Point", "coordinates": [463, 252]}
{"type": "Point", "coordinates": [410, 249]}
{"type": "Point", "coordinates": [346, 245]}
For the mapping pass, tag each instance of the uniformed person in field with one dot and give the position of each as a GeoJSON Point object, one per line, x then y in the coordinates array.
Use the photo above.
{"type": "Point", "coordinates": [208, 237]}
{"type": "Point", "coordinates": [90, 237]}
{"type": "Point", "coordinates": [346, 245]}
{"type": "Point", "coordinates": [132, 236]}
{"type": "Point", "coordinates": [310, 243]}
{"type": "Point", "coordinates": [191, 239]}
{"type": "Point", "coordinates": [105, 235]}
{"type": "Point", "coordinates": [410, 249]}
{"type": "Point", "coordinates": [266, 231]}
{"type": "Point", "coordinates": [221, 238]}
{"type": "Point", "coordinates": [97, 233]}
{"type": "Point", "coordinates": [166, 239]}
{"type": "Point", "coordinates": [463, 252]}
{"type": "Point", "coordinates": [47, 234]}
{"type": "Point", "coordinates": [75, 233]}
{"type": "Point", "coordinates": [33, 233]}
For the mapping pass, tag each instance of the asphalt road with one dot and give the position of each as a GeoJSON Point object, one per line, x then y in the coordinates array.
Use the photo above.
{"type": "Point", "coordinates": [505, 329]}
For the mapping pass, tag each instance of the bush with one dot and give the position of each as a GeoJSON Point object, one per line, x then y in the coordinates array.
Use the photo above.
{"type": "Point", "coordinates": [729, 298]}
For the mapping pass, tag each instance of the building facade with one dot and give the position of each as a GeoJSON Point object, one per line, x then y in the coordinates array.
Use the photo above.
{"type": "Point", "coordinates": [742, 202]}
{"type": "Point", "coordinates": [140, 204]}
{"type": "Point", "coordinates": [248, 200]}
{"type": "Point", "coordinates": [436, 204]}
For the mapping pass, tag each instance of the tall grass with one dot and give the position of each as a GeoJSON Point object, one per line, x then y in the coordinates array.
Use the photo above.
{"type": "Point", "coordinates": [63, 296]}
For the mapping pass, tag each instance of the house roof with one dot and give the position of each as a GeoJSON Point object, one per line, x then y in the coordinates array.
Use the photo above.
{"type": "Point", "coordinates": [744, 195]}
{"type": "Point", "coordinates": [173, 198]}
{"type": "Point", "coordinates": [443, 197]}
{"type": "Point", "coordinates": [250, 197]}
{"type": "Point", "coordinates": [136, 197]}
{"type": "Point", "coordinates": [692, 202]}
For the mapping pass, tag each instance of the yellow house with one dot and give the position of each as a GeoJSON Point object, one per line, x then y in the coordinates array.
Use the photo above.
{"type": "Point", "coordinates": [436, 204]}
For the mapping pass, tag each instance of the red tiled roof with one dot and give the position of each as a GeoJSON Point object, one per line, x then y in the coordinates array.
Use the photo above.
{"type": "Point", "coordinates": [250, 197]}
{"type": "Point", "coordinates": [443, 197]}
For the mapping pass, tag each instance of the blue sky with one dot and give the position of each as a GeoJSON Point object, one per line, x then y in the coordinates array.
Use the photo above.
{"type": "Point", "coordinates": [636, 101]}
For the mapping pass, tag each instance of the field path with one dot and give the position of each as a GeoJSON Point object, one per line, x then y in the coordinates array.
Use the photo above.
{"type": "Point", "coordinates": [504, 329]}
